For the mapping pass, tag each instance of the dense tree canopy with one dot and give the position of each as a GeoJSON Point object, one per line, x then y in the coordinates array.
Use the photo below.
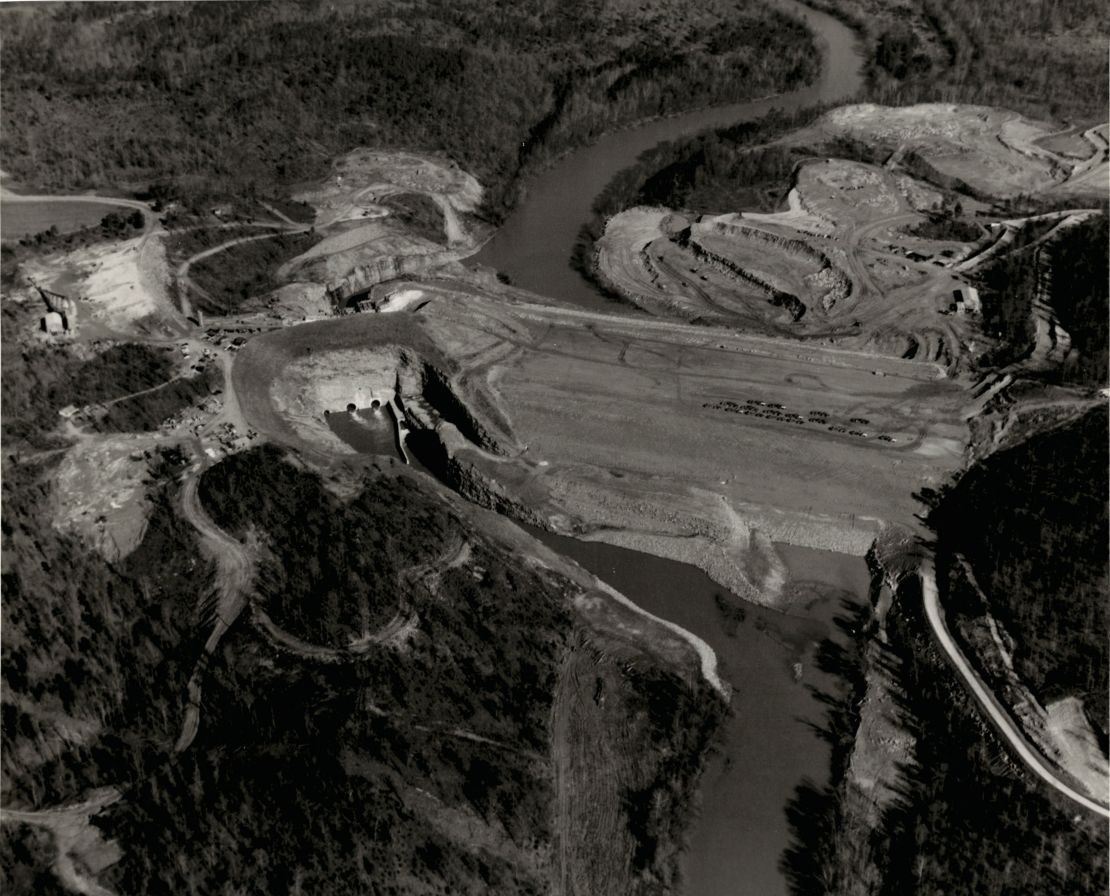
{"type": "Point", "coordinates": [242, 95]}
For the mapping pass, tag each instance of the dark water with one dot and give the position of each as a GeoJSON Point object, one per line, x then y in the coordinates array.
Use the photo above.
{"type": "Point", "coordinates": [536, 243]}
{"type": "Point", "coordinates": [19, 218]}
{"type": "Point", "coordinates": [368, 431]}
{"type": "Point", "coordinates": [737, 841]}
{"type": "Point", "coordinates": [770, 746]}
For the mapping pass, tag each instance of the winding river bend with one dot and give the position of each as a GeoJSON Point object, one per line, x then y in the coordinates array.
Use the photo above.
{"type": "Point", "coordinates": [536, 243]}
{"type": "Point", "coordinates": [771, 745]}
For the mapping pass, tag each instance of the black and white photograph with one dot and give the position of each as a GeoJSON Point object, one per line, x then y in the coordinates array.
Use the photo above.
{"type": "Point", "coordinates": [555, 448]}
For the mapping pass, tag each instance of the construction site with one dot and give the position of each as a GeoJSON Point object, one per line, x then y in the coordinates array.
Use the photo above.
{"type": "Point", "coordinates": [574, 419]}
{"type": "Point", "coordinates": [842, 264]}
{"type": "Point", "coordinates": [769, 397]}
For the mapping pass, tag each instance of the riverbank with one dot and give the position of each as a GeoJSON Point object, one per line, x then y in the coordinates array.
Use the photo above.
{"type": "Point", "coordinates": [536, 243]}
{"type": "Point", "coordinates": [770, 744]}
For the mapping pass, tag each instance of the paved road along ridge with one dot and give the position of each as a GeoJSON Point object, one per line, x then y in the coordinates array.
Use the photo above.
{"type": "Point", "coordinates": [994, 709]}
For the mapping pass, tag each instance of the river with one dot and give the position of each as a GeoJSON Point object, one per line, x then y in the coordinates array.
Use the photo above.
{"type": "Point", "coordinates": [736, 843]}
{"type": "Point", "coordinates": [770, 744]}
{"type": "Point", "coordinates": [536, 243]}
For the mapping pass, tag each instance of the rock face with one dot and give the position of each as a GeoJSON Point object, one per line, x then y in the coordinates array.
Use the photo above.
{"type": "Point", "coordinates": [437, 390]}
{"type": "Point", "coordinates": [443, 451]}
{"type": "Point", "coordinates": [831, 283]}
{"type": "Point", "coordinates": [383, 268]}
{"type": "Point", "coordinates": [777, 297]}
{"type": "Point", "coordinates": [659, 261]}
{"type": "Point", "coordinates": [443, 431]}
{"type": "Point", "coordinates": [330, 382]}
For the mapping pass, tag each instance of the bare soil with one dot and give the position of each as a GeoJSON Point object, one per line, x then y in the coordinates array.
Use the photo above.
{"type": "Point", "coordinates": [598, 407]}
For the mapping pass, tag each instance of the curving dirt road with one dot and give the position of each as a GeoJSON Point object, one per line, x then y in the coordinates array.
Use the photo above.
{"type": "Point", "coordinates": [402, 623]}
{"type": "Point", "coordinates": [235, 574]}
{"type": "Point", "coordinates": [181, 275]}
{"type": "Point", "coordinates": [862, 235]}
{"type": "Point", "coordinates": [74, 835]}
{"type": "Point", "coordinates": [998, 715]}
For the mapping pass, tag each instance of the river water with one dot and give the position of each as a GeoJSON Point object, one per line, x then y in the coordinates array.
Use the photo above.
{"type": "Point", "coordinates": [536, 243]}
{"type": "Point", "coordinates": [770, 742]}
{"type": "Point", "coordinates": [736, 843]}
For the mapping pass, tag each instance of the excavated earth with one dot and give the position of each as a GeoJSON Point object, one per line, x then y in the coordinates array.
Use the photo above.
{"type": "Point", "coordinates": [836, 267]}
{"type": "Point", "coordinates": [574, 420]}
{"type": "Point", "coordinates": [364, 246]}
{"type": "Point", "coordinates": [841, 264]}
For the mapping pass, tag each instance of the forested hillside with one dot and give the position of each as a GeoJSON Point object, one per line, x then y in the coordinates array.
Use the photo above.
{"type": "Point", "coordinates": [96, 653]}
{"type": "Point", "coordinates": [969, 821]}
{"type": "Point", "coordinates": [238, 97]}
{"type": "Point", "coordinates": [966, 819]}
{"type": "Point", "coordinates": [1029, 57]}
{"type": "Point", "coordinates": [1081, 299]}
{"type": "Point", "coordinates": [425, 763]}
{"type": "Point", "coordinates": [1071, 266]}
{"type": "Point", "coordinates": [1032, 521]}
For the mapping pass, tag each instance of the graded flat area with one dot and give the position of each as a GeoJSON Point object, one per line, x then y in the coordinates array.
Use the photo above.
{"type": "Point", "coordinates": [646, 400]}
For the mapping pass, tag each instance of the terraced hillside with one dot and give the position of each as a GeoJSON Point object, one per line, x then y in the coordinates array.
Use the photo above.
{"type": "Point", "coordinates": [879, 220]}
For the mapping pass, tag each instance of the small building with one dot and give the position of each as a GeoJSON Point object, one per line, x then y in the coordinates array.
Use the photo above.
{"type": "Point", "coordinates": [53, 323]}
{"type": "Point", "coordinates": [967, 300]}
{"type": "Point", "coordinates": [971, 300]}
{"type": "Point", "coordinates": [61, 306]}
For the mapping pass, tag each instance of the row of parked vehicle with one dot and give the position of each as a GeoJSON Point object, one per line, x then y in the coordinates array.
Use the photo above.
{"type": "Point", "coordinates": [754, 407]}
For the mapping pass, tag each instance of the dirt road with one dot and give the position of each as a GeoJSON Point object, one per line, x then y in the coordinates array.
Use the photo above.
{"type": "Point", "coordinates": [998, 715]}
{"type": "Point", "coordinates": [235, 574]}
{"type": "Point", "coordinates": [396, 629]}
{"type": "Point", "coordinates": [75, 836]}
{"type": "Point", "coordinates": [185, 283]}
{"type": "Point", "coordinates": [862, 236]}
